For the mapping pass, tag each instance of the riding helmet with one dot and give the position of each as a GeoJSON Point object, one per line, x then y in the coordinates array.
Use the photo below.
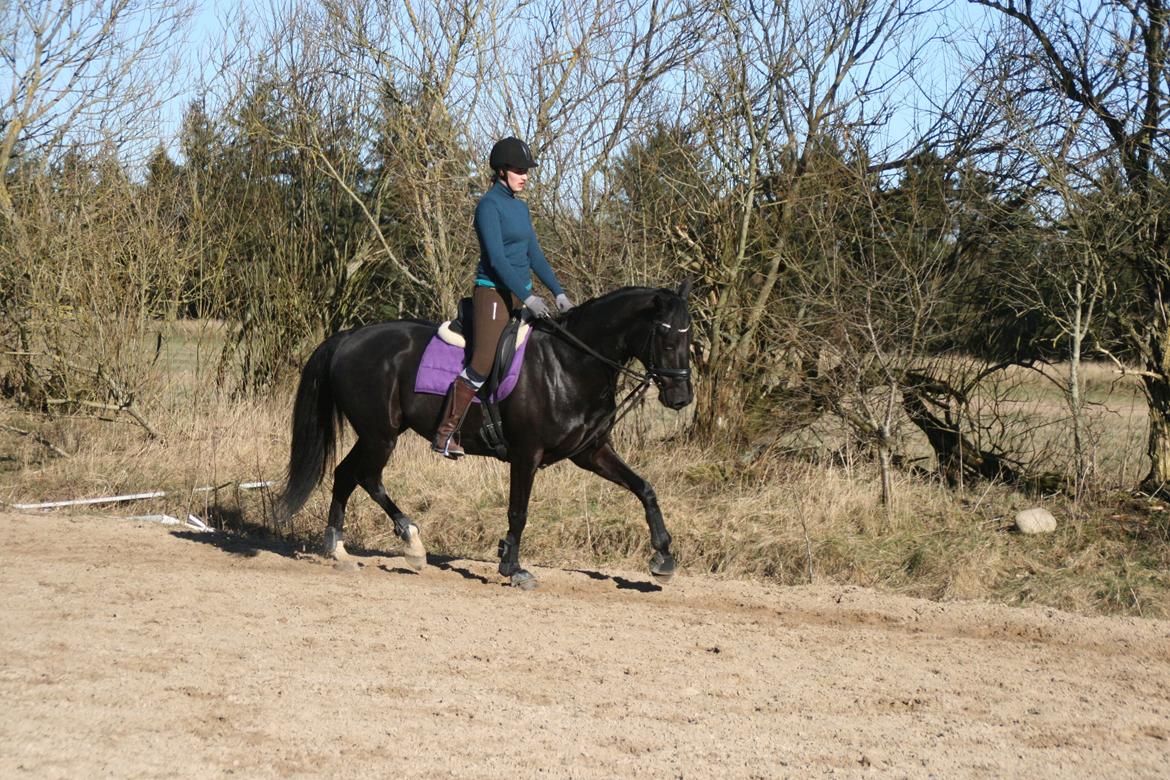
{"type": "Point", "coordinates": [511, 153]}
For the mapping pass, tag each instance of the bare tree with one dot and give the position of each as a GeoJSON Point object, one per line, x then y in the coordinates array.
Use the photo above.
{"type": "Point", "coordinates": [1066, 282]}
{"type": "Point", "coordinates": [783, 84]}
{"type": "Point", "coordinates": [1089, 87]}
{"type": "Point", "coordinates": [83, 262]}
{"type": "Point", "coordinates": [398, 82]}
{"type": "Point", "coordinates": [80, 72]}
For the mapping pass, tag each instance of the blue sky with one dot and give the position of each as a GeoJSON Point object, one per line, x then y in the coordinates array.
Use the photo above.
{"type": "Point", "coordinates": [941, 57]}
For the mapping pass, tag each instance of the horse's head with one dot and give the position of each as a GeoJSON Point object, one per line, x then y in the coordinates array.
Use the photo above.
{"type": "Point", "coordinates": [667, 354]}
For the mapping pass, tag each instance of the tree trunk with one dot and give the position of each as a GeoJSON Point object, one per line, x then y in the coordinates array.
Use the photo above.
{"type": "Point", "coordinates": [1158, 447]}
{"type": "Point", "coordinates": [885, 464]}
{"type": "Point", "coordinates": [1075, 403]}
{"type": "Point", "coordinates": [1156, 382]}
{"type": "Point", "coordinates": [719, 406]}
{"type": "Point", "coordinates": [885, 438]}
{"type": "Point", "coordinates": [959, 457]}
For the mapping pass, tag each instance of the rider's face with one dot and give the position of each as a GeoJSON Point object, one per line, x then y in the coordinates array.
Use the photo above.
{"type": "Point", "coordinates": [515, 178]}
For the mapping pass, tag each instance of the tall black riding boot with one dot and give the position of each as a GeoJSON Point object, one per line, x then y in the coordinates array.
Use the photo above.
{"type": "Point", "coordinates": [459, 398]}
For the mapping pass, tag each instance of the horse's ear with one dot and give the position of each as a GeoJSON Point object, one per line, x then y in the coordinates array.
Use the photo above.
{"type": "Point", "coordinates": [684, 289]}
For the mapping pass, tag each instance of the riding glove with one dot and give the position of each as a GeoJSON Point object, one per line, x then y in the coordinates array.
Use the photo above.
{"type": "Point", "coordinates": [537, 306]}
{"type": "Point", "coordinates": [563, 303]}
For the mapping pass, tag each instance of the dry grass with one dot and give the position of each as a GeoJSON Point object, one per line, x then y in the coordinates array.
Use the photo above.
{"type": "Point", "coordinates": [775, 518]}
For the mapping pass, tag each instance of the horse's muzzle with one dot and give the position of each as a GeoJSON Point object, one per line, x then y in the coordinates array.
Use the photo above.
{"type": "Point", "coordinates": [675, 395]}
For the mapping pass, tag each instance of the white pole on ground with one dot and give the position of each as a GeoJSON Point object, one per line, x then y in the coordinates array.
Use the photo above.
{"type": "Point", "coordinates": [133, 496]}
{"type": "Point", "coordinates": [164, 519]}
{"type": "Point", "coordinates": [85, 501]}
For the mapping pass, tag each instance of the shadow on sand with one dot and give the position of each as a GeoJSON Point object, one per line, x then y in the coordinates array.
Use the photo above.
{"type": "Point", "coordinates": [246, 539]}
{"type": "Point", "coordinates": [248, 546]}
{"type": "Point", "coordinates": [239, 537]}
{"type": "Point", "coordinates": [444, 563]}
{"type": "Point", "coordinates": [621, 583]}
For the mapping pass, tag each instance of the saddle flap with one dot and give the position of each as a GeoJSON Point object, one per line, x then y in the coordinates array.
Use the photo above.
{"type": "Point", "coordinates": [505, 351]}
{"type": "Point", "coordinates": [465, 321]}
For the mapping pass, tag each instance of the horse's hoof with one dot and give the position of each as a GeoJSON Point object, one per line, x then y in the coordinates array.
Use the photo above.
{"type": "Point", "coordinates": [345, 565]}
{"type": "Point", "coordinates": [523, 580]}
{"type": "Point", "coordinates": [332, 543]}
{"type": "Point", "coordinates": [414, 554]}
{"type": "Point", "coordinates": [662, 567]}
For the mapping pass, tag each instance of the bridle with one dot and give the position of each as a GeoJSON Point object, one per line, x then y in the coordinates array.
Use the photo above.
{"type": "Point", "coordinates": [652, 374]}
{"type": "Point", "coordinates": [666, 373]}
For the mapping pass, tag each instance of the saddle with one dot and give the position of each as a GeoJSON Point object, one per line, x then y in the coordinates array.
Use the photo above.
{"type": "Point", "coordinates": [459, 332]}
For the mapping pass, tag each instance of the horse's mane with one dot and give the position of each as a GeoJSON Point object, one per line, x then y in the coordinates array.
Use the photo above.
{"type": "Point", "coordinates": [591, 307]}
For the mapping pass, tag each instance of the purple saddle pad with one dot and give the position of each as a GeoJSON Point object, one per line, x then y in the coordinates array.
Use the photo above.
{"type": "Point", "coordinates": [441, 362]}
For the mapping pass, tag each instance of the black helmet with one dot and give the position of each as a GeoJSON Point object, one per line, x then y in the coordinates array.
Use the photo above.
{"type": "Point", "coordinates": [511, 153]}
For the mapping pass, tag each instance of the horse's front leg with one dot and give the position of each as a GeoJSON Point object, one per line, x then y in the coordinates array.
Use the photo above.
{"type": "Point", "coordinates": [606, 463]}
{"type": "Point", "coordinates": [523, 471]}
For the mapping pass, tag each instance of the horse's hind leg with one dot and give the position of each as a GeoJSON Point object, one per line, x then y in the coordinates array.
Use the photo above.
{"type": "Point", "coordinates": [368, 472]}
{"type": "Point", "coordinates": [344, 481]}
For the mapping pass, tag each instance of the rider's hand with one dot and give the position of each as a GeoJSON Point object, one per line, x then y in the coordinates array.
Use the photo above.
{"type": "Point", "coordinates": [537, 306]}
{"type": "Point", "coordinates": [563, 303]}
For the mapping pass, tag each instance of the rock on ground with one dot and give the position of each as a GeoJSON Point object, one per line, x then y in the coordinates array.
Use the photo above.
{"type": "Point", "coordinates": [1037, 520]}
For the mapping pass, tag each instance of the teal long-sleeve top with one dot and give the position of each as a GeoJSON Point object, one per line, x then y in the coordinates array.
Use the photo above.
{"type": "Point", "coordinates": [508, 250]}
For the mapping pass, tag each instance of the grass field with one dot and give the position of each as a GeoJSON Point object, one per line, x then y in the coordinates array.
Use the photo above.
{"type": "Point", "coordinates": [770, 516]}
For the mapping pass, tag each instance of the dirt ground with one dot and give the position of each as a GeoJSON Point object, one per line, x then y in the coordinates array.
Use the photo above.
{"type": "Point", "coordinates": [131, 650]}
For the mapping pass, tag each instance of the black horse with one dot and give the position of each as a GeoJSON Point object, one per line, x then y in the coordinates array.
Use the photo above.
{"type": "Point", "coordinates": [563, 406]}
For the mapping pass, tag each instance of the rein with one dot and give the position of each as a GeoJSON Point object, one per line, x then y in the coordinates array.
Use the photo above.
{"type": "Point", "coordinates": [581, 345]}
{"type": "Point", "coordinates": [652, 372]}
{"type": "Point", "coordinates": [632, 398]}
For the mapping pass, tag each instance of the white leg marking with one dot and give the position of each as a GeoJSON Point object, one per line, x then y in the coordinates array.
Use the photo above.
{"type": "Point", "coordinates": [414, 553]}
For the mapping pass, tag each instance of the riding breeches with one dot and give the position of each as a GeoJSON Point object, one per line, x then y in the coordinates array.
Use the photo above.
{"type": "Point", "coordinates": [492, 312]}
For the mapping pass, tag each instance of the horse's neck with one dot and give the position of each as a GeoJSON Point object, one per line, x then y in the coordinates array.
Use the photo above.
{"type": "Point", "coordinates": [611, 336]}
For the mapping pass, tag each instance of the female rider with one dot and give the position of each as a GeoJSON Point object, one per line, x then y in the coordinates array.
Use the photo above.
{"type": "Point", "coordinates": [508, 254]}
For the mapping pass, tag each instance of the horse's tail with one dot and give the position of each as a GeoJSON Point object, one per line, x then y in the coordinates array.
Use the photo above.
{"type": "Point", "coordinates": [315, 424]}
